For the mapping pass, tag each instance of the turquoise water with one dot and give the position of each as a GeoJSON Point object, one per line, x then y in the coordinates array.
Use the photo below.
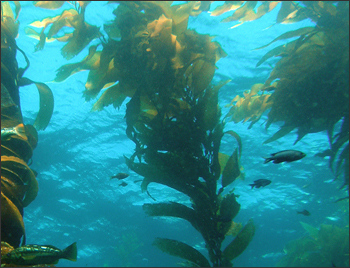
{"type": "Point", "coordinates": [80, 150]}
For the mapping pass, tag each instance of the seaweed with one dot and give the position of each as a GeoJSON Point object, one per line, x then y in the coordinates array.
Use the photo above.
{"type": "Point", "coordinates": [310, 81]}
{"type": "Point", "coordinates": [323, 247]}
{"type": "Point", "coordinates": [173, 116]}
{"type": "Point", "coordinates": [19, 186]}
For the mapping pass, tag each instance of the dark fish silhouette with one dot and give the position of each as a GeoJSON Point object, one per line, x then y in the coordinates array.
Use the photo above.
{"type": "Point", "coordinates": [123, 184]}
{"type": "Point", "coordinates": [260, 183]}
{"type": "Point", "coordinates": [285, 156]}
{"type": "Point", "coordinates": [120, 176]}
{"type": "Point", "coordinates": [36, 254]}
{"type": "Point", "coordinates": [304, 212]}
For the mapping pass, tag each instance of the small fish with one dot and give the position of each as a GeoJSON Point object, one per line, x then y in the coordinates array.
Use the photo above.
{"type": "Point", "coordinates": [37, 254]}
{"type": "Point", "coordinates": [285, 156]}
{"type": "Point", "coordinates": [260, 183]}
{"type": "Point", "coordinates": [18, 130]}
{"type": "Point", "coordinates": [306, 185]}
{"type": "Point", "coordinates": [304, 212]}
{"type": "Point", "coordinates": [123, 184]}
{"type": "Point", "coordinates": [120, 176]}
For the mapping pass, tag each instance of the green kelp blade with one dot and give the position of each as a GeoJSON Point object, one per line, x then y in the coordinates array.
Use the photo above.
{"type": "Point", "coordinates": [241, 241]}
{"type": "Point", "coordinates": [223, 158]}
{"type": "Point", "coordinates": [239, 140]}
{"type": "Point", "coordinates": [46, 103]}
{"type": "Point", "coordinates": [229, 207]}
{"type": "Point", "coordinates": [274, 52]}
{"type": "Point", "coordinates": [231, 170]}
{"type": "Point", "coordinates": [46, 106]}
{"type": "Point", "coordinates": [182, 250]}
{"type": "Point", "coordinates": [290, 34]}
{"type": "Point", "coordinates": [284, 130]}
{"type": "Point", "coordinates": [310, 229]}
{"type": "Point", "coordinates": [344, 155]}
{"type": "Point", "coordinates": [171, 209]}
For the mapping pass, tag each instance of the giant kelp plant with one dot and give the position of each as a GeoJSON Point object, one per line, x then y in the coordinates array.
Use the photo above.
{"type": "Point", "coordinates": [173, 115]}
{"type": "Point", "coordinates": [19, 186]}
{"type": "Point", "coordinates": [327, 246]}
{"type": "Point", "coordinates": [310, 81]}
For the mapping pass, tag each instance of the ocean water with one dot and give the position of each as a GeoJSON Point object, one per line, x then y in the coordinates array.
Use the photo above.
{"type": "Point", "coordinates": [79, 151]}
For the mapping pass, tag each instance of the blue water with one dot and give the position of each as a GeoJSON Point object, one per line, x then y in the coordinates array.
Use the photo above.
{"type": "Point", "coordinates": [80, 150]}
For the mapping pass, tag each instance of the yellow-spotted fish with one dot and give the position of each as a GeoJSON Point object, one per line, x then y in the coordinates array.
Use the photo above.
{"type": "Point", "coordinates": [39, 254]}
{"type": "Point", "coordinates": [18, 130]}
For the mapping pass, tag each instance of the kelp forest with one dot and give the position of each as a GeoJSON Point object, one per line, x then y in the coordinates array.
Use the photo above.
{"type": "Point", "coordinates": [163, 71]}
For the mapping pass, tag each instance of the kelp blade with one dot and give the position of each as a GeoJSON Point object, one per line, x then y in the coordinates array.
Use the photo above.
{"type": "Point", "coordinates": [171, 209]}
{"type": "Point", "coordinates": [46, 103]}
{"type": "Point", "coordinates": [231, 170]}
{"type": "Point", "coordinates": [182, 250]}
{"type": "Point", "coordinates": [240, 243]}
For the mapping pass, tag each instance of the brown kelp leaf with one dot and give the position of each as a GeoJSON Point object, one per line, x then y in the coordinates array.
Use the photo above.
{"type": "Point", "coordinates": [287, 10]}
{"type": "Point", "coordinates": [264, 8]}
{"type": "Point", "coordinates": [182, 250]}
{"type": "Point", "coordinates": [46, 103]}
{"type": "Point", "coordinates": [7, 151]}
{"type": "Point", "coordinates": [112, 95]}
{"type": "Point", "coordinates": [14, 192]}
{"type": "Point", "coordinates": [202, 74]}
{"type": "Point", "coordinates": [64, 20]}
{"type": "Point", "coordinates": [291, 12]}
{"type": "Point", "coordinates": [12, 224]}
{"type": "Point", "coordinates": [46, 106]}
{"type": "Point", "coordinates": [182, 12]}
{"type": "Point", "coordinates": [49, 4]}
{"type": "Point", "coordinates": [290, 34]}
{"type": "Point", "coordinates": [226, 7]}
{"type": "Point", "coordinates": [231, 170]}
{"type": "Point", "coordinates": [90, 62]}
{"type": "Point", "coordinates": [17, 166]}
{"type": "Point", "coordinates": [242, 11]}
{"type": "Point", "coordinates": [274, 52]}
{"type": "Point", "coordinates": [36, 35]}
{"type": "Point", "coordinates": [17, 8]}
{"type": "Point", "coordinates": [8, 23]}
{"type": "Point", "coordinates": [172, 209]}
{"type": "Point", "coordinates": [241, 241]}
{"type": "Point", "coordinates": [84, 33]}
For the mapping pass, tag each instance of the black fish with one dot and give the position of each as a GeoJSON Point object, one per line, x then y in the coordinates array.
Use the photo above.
{"type": "Point", "coordinates": [36, 254]}
{"type": "Point", "coordinates": [120, 176]}
{"type": "Point", "coordinates": [260, 183]}
{"type": "Point", "coordinates": [123, 184]}
{"type": "Point", "coordinates": [285, 156]}
{"type": "Point", "coordinates": [304, 212]}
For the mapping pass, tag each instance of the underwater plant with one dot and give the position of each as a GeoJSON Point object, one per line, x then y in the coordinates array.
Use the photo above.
{"type": "Point", "coordinates": [129, 244]}
{"type": "Point", "coordinates": [173, 117]}
{"type": "Point", "coordinates": [324, 247]}
{"type": "Point", "coordinates": [310, 81]}
{"type": "Point", "coordinates": [19, 186]}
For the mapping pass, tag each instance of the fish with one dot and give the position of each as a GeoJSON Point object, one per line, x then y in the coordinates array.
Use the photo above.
{"type": "Point", "coordinates": [120, 176]}
{"type": "Point", "coordinates": [285, 156]}
{"type": "Point", "coordinates": [123, 184]}
{"type": "Point", "coordinates": [304, 212]}
{"type": "Point", "coordinates": [260, 183]}
{"type": "Point", "coordinates": [7, 133]}
{"type": "Point", "coordinates": [39, 254]}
